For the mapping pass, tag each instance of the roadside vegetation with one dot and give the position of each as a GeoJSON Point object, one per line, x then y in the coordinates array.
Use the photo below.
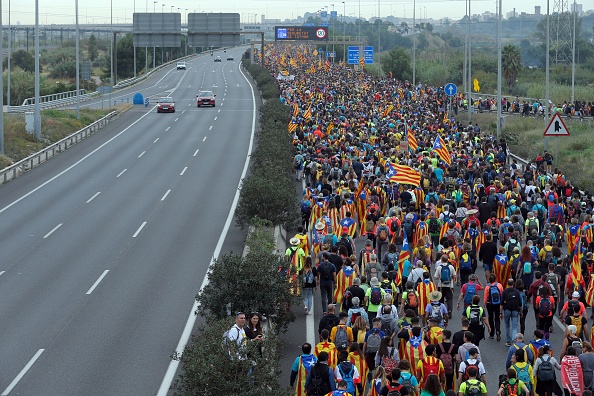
{"type": "Point", "coordinates": [255, 282]}
{"type": "Point", "coordinates": [55, 125]}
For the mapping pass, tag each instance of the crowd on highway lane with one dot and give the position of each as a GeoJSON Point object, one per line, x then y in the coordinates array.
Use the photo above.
{"type": "Point", "coordinates": [402, 204]}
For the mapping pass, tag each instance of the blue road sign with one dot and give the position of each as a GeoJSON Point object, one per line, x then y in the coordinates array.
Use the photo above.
{"type": "Point", "coordinates": [330, 54]}
{"type": "Point", "coordinates": [146, 102]}
{"type": "Point", "coordinates": [334, 14]}
{"type": "Point", "coordinates": [450, 89]}
{"type": "Point", "coordinates": [324, 14]}
{"type": "Point", "coordinates": [353, 55]}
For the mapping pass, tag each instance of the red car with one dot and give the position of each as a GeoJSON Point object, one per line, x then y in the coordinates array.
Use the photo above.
{"type": "Point", "coordinates": [166, 105]}
{"type": "Point", "coordinates": [205, 98]}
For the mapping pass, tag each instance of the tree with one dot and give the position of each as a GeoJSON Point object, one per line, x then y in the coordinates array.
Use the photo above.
{"type": "Point", "coordinates": [93, 51]}
{"type": "Point", "coordinates": [511, 64]}
{"type": "Point", "coordinates": [398, 62]}
{"type": "Point", "coordinates": [24, 60]}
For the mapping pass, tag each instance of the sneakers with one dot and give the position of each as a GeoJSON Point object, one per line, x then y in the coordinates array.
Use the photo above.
{"type": "Point", "coordinates": [305, 309]}
{"type": "Point", "coordinates": [498, 336]}
{"type": "Point", "coordinates": [508, 344]}
{"type": "Point", "coordinates": [491, 337]}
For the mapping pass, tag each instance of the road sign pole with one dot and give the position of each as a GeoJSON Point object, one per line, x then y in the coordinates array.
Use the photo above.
{"type": "Point", "coordinates": [557, 151]}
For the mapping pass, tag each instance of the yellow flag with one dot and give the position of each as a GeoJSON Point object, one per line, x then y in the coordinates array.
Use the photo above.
{"type": "Point", "coordinates": [477, 87]}
{"type": "Point", "coordinates": [315, 53]}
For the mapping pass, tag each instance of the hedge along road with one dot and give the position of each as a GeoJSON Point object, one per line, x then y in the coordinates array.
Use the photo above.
{"type": "Point", "coordinates": [106, 246]}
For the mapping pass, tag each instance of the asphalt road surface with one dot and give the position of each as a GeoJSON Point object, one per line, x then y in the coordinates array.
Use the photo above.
{"type": "Point", "coordinates": [493, 353]}
{"type": "Point", "coordinates": [105, 246]}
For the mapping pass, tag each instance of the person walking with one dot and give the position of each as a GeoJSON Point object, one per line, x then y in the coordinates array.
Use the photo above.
{"type": "Point", "coordinates": [310, 285]}
{"type": "Point", "coordinates": [301, 368]}
{"type": "Point", "coordinates": [493, 297]}
{"type": "Point", "coordinates": [445, 278]}
{"type": "Point", "coordinates": [320, 379]}
{"type": "Point", "coordinates": [544, 369]}
{"type": "Point", "coordinates": [510, 310]}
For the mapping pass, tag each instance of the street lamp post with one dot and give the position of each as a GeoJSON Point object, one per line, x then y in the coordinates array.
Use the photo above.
{"type": "Point", "coordinates": [8, 59]}
{"type": "Point", "coordinates": [37, 115]}
{"type": "Point", "coordinates": [154, 5]}
{"type": "Point", "coordinates": [344, 54]}
{"type": "Point", "coordinates": [78, 63]}
{"type": "Point", "coordinates": [548, 49]}
{"type": "Point", "coordinates": [414, 45]}
{"type": "Point", "coordinates": [379, 35]}
{"type": "Point", "coordinates": [171, 9]}
{"type": "Point", "coordinates": [499, 18]}
{"type": "Point", "coordinates": [470, 107]}
{"type": "Point", "coordinates": [2, 89]}
{"type": "Point", "coordinates": [111, 53]}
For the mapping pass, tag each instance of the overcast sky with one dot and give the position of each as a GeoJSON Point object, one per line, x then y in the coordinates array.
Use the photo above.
{"type": "Point", "coordinates": [98, 11]}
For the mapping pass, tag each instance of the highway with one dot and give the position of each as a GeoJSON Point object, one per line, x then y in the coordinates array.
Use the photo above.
{"type": "Point", "coordinates": [105, 246]}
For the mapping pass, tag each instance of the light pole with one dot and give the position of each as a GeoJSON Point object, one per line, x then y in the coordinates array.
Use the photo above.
{"type": "Point", "coordinates": [344, 54]}
{"type": "Point", "coordinates": [499, 18]}
{"type": "Point", "coordinates": [78, 63]}
{"type": "Point", "coordinates": [379, 35]}
{"type": "Point", "coordinates": [333, 33]}
{"type": "Point", "coordinates": [171, 9]}
{"type": "Point", "coordinates": [187, 26]}
{"type": "Point", "coordinates": [572, 54]}
{"type": "Point", "coordinates": [548, 46]}
{"type": "Point", "coordinates": [414, 44]}
{"type": "Point", "coordinates": [111, 53]}
{"type": "Point", "coordinates": [470, 107]}
{"type": "Point", "coordinates": [37, 115]}
{"type": "Point", "coordinates": [8, 59]}
{"type": "Point", "coordinates": [154, 5]}
{"type": "Point", "coordinates": [2, 88]}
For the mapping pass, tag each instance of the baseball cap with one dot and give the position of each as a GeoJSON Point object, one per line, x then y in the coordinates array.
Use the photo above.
{"type": "Point", "coordinates": [575, 294]}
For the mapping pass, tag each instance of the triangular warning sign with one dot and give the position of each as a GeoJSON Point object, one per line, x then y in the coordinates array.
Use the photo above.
{"type": "Point", "coordinates": [556, 127]}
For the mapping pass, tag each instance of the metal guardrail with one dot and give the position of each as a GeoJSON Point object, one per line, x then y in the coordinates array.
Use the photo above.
{"type": "Point", "coordinates": [54, 97]}
{"type": "Point", "coordinates": [17, 169]}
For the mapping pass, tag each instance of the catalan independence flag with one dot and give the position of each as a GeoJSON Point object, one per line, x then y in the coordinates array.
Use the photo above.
{"type": "Point", "coordinates": [362, 62]}
{"type": "Point", "coordinates": [440, 148]}
{"type": "Point", "coordinates": [292, 127]}
{"type": "Point", "coordinates": [576, 266]}
{"type": "Point", "coordinates": [403, 174]}
{"type": "Point", "coordinates": [413, 144]}
{"type": "Point", "coordinates": [295, 110]}
{"type": "Point", "coordinates": [388, 110]}
{"type": "Point", "coordinates": [307, 114]}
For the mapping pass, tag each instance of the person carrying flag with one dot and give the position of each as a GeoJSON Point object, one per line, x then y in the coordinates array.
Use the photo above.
{"type": "Point", "coordinates": [300, 369]}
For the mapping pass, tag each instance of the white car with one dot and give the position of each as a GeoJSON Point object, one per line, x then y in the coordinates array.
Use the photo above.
{"type": "Point", "coordinates": [181, 65]}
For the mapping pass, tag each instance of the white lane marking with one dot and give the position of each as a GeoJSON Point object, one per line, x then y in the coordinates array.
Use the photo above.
{"type": "Point", "coordinates": [139, 229]}
{"type": "Point", "coordinates": [156, 140]}
{"type": "Point", "coordinates": [210, 128]}
{"type": "Point", "coordinates": [141, 154]}
{"type": "Point", "coordinates": [189, 104]}
{"type": "Point", "coordinates": [196, 153]}
{"type": "Point", "coordinates": [94, 196]}
{"type": "Point", "coordinates": [173, 364]}
{"type": "Point", "coordinates": [183, 111]}
{"type": "Point", "coordinates": [222, 104]}
{"type": "Point", "coordinates": [73, 165]}
{"type": "Point", "coordinates": [216, 117]}
{"type": "Point", "coordinates": [97, 282]}
{"type": "Point", "coordinates": [122, 172]}
{"type": "Point", "coordinates": [167, 129]}
{"type": "Point", "coordinates": [205, 136]}
{"type": "Point", "coordinates": [52, 231]}
{"type": "Point", "coordinates": [22, 373]}
{"type": "Point", "coordinates": [165, 196]}
{"type": "Point", "coordinates": [184, 171]}
{"type": "Point", "coordinates": [219, 111]}
{"type": "Point", "coordinates": [176, 119]}
{"type": "Point", "coordinates": [1, 272]}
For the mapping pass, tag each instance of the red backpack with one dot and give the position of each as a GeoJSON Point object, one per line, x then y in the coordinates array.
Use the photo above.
{"type": "Point", "coordinates": [446, 359]}
{"type": "Point", "coordinates": [430, 368]}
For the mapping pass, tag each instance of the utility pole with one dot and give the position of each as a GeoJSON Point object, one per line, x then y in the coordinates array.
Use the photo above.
{"type": "Point", "coordinates": [499, 17]}
{"type": "Point", "coordinates": [37, 114]}
{"type": "Point", "coordinates": [548, 46]}
{"type": "Point", "coordinates": [8, 60]}
{"type": "Point", "coordinates": [470, 107]}
{"type": "Point", "coordinates": [77, 63]}
{"type": "Point", "coordinates": [2, 88]}
{"type": "Point", "coordinates": [414, 45]}
{"type": "Point", "coordinates": [379, 35]}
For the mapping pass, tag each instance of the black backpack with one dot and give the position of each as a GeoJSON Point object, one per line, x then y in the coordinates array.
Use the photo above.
{"type": "Point", "coordinates": [319, 383]}
{"type": "Point", "coordinates": [326, 271]}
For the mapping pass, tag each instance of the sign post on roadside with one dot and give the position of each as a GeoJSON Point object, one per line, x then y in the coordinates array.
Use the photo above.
{"type": "Point", "coordinates": [556, 128]}
{"type": "Point", "coordinates": [451, 90]}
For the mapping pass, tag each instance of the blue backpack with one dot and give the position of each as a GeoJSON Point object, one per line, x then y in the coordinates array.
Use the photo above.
{"type": "Point", "coordinates": [494, 294]}
{"type": "Point", "coordinates": [446, 274]}
{"type": "Point", "coordinates": [465, 262]}
{"type": "Point", "coordinates": [348, 377]}
{"type": "Point", "coordinates": [470, 292]}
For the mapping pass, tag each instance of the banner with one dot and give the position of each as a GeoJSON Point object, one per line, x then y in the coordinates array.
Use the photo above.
{"type": "Point", "coordinates": [572, 377]}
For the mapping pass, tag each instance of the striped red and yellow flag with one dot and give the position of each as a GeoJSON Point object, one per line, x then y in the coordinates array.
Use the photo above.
{"type": "Point", "coordinates": [362, 62]}
{"type": "Point", "coordinates": [440, 148]}
{"type": "Point", "coordinates": [402, 174]}
{"type": "Point", "coordinates": [388, 110]}
{"type": "Point", "coordinates": [308, 114]}
{"type": "Point", "coordinates": [292, 127]}
{"type": "Point", "coordinates": [295, 110]}
{"type": "Point", "coordinates": [293, 62]}
{"type": "Point", "coordinates": [576, 265]}
{"type": "Point", "coordinates": [413, 144]}
{"type": "Point", "coordinates": [330, 128]}
{"type": "Point", "coordinates": [590, 292]}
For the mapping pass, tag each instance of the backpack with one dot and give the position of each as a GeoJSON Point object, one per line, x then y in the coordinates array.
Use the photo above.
{"type": "Point", "coordinates": [387, 326]}
{"type": "Point", "coordinates": [527, 268]}
{"type": "Point", "coordinates": [544, 307]}
{"type": "Point", "coordinates": [392, 258]}
{"type": "Point", "coordinates": [407, 382]}
{"type": "Point", "coordinates": [347, 301]}
{"type": "Point", "coordinates": [492, 200]}
{"type": "Point", "coordinates": [545, 369]}
{"type": "Point", "coordinates": [510, 389]}
{"type": "Point", "coordinates": [474, 313]}
{"type": "Point", "coordinates": [532, 225]}
{"type": "Point", "coordinates": [446, 359]}
{"type": "Point", "coordinates": [577, 344]}
{"type": "Point", "coordinates": [328, 240]}
{"type": "Point", "coordinates": [387, 286]}
{"type": "Point", "coordinates": [308, 278]}
{"type": "Point", "coordinates": [552, 281]}
{"type": "Point", "coordinates": [432, 368]}
{"type": "Point", "coordinates": [383, 233]}
{"type": "Point", "coordinates": [445, 274]}
{"type": "Point", "coordinates": [511, 246]}
{"type": "Point", "coordinates": [571, 304]}
{"type": "Point", "coordinates": [394, 227]}
{"type": "Point", "coordinates": [341, 339]}
{"type": "Point", "coordinates": [473, 389]}
{"type": "Point", "coordinates": [354, 317]}
{"type": "Point", "coordinates": [551, 197]}
{"type": "Point", "coordinates": [348, 376]}
{"type": "Point", "coordinates": [540, 213]}
{"type": "Point", "coordinates": [436, 311]}
{"type": "Point", "coordinates": [434, 227]}
{"type": "Point", "coordinates": [317, 385]}
{"type": "Point", "coordinates": [305, 206]}
{"type": "Point", "coordinates": [394, 391]}
{"type": "Point", "coordinates": [513, 301]}
{"type": "Point", "coordinates": [412, 299]}
{"type": "Point", "coordinates": [548, 257]}
{"type": "Point", "coordinates": [523, 374]}
{"type": "Point", "coordinates": [494, 294]}
{"type": "Point", "coordinates": [390, 362]}
{"type": "Point", "coordinates": [376, 296]}
{"type": "Point", "coordinates": [470, 292]}
{"type": "Point", "coordinates": [325, 271]}
{"type": "Point", "coordinates": [373, 342]}
{"type": "Point", "coordinates": [577, 322]}
{"type": "Point", "coordinates": [408, 228]}
{"type": "Point", "coordinates": [465, 262]}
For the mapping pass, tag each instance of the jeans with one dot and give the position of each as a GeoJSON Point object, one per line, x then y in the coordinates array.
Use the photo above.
{"type": "Point", "coordinates": [308, 297]}
{"type": "Point", "coordinates": [447, 298]}
{"type": "Point", "coordinates": [327, 291]}
{"type": "Point", "coordinates": [513, 316]}
{"type": "Point", "coordinates": [381, 245]}
{"type": "Point", "coordinates": [494, 320]}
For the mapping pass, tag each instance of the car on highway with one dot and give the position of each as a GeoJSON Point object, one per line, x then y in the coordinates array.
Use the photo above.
{"type": "Point", "coordinates": [166, 105]}
{"type": "Point", "coordinates": [205, 98]}
{"type": "Point", "coordinates": [218, 59]}
{"type": "Point", "coordinates": [181, 65]}
{"type": "Point", "coordinates": [230, 58]}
